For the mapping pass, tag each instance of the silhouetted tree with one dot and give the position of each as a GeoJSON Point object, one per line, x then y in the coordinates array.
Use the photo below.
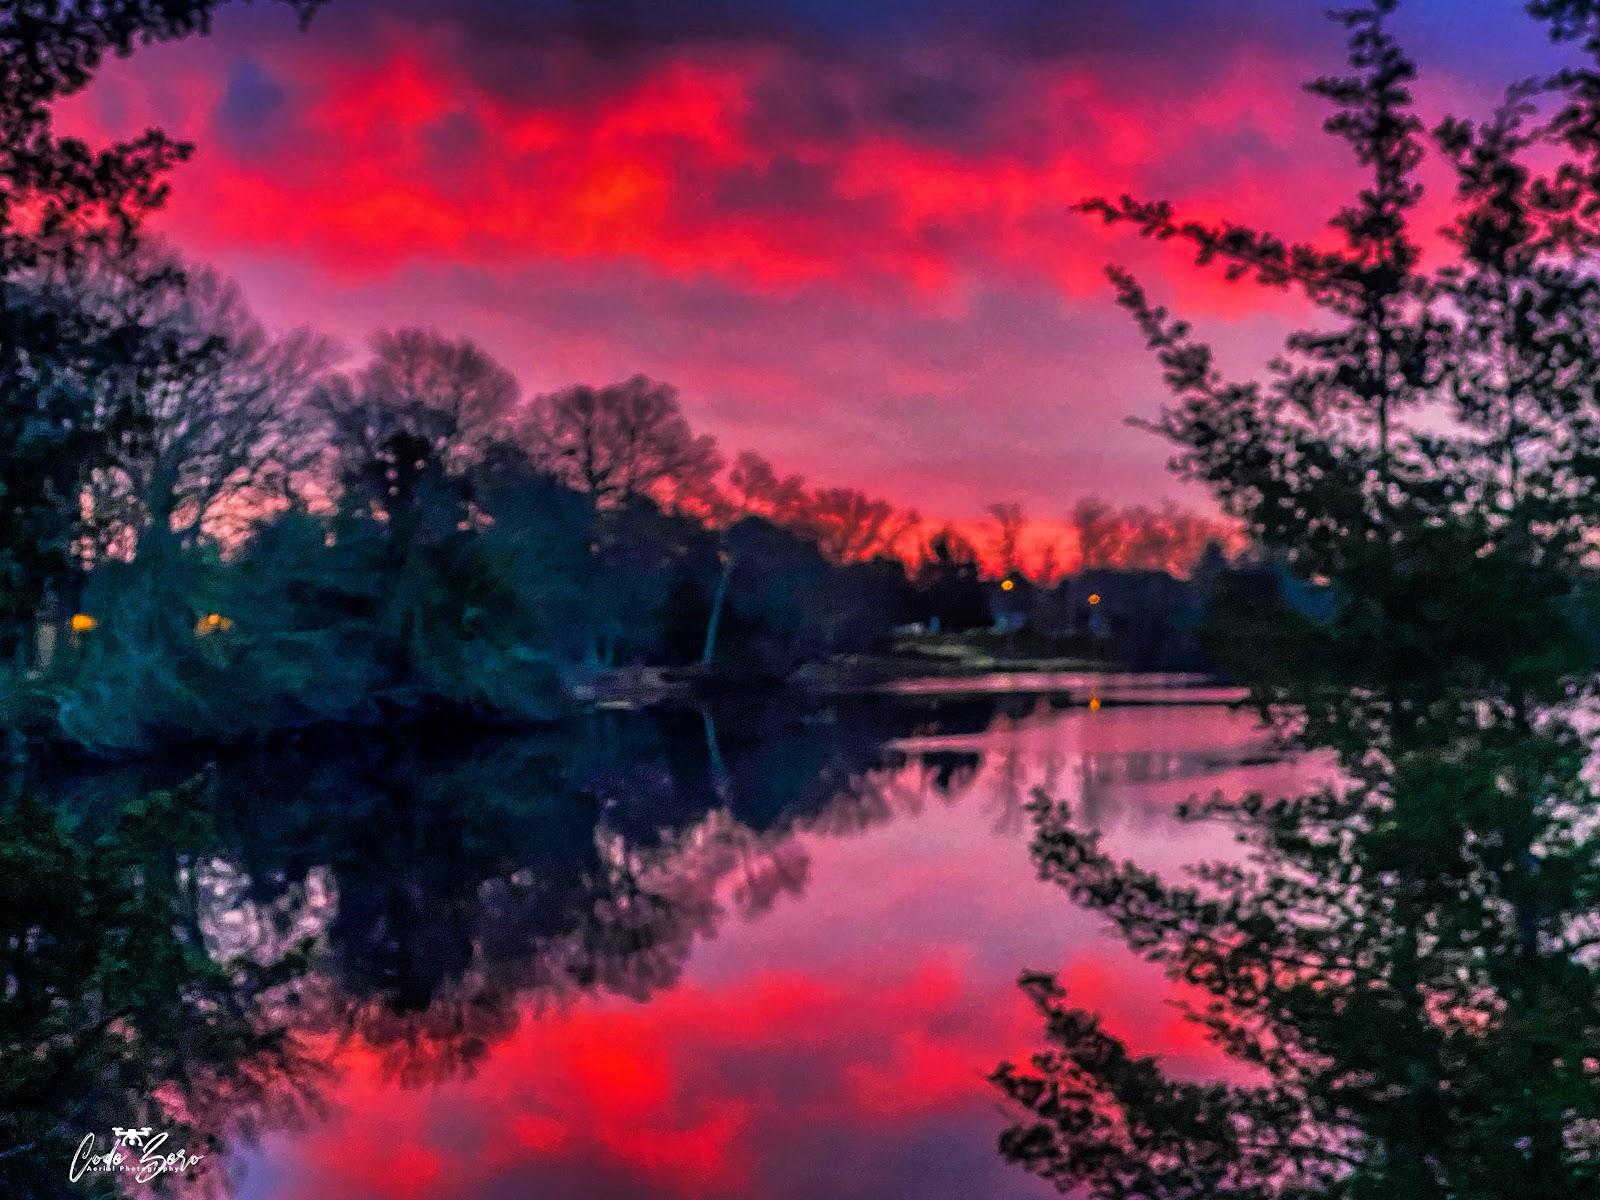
{"type": "Point", "coordinates": [1047, 567]}
{"type": "Point", "coordinates": [1140, 537]}
{"type": "Point", "coordinates": [756, 490]}
{"type": "Point", "coordinates": [419, 594]}
{"type": "Point", "coordinates": [1009, 521]}
{"type": "Point", "coordinates": [425, 404]}
{"type": "Point", "coordinates": [407, 428]}
{"type": "Point", "coordinates": [1407, 959]}
{"type": "Point", "coordinates": [949, 581]}
{"type": "Point", "coordinates": [1098, 533]}
{"type": "Point", "coordinates": [851, 526]}
{"type": "Point", "coordinates": [61, 200]}
{"type": "Point", "coordinates": [621, 443]}
{"type": "Point", "coordinates": [219, 431]}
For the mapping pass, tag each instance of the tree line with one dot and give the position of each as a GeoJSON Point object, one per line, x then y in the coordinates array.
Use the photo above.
{"type": "Point", "coordinates": [210, 529]}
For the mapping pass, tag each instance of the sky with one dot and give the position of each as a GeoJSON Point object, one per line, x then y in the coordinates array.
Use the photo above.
{"type": "Point", "coordinates": [842, 229]}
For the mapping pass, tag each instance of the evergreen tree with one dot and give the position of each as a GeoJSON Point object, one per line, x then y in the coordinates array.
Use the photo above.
{"type": "Point", "coordinates": [1406, 959]}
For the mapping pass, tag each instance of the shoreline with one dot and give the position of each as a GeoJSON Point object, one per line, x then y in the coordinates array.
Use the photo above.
{"type": "Point", "coordinates": [903, 677]}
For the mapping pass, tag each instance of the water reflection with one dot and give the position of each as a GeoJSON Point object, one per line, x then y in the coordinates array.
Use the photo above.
{"type": "Point", "coordinates": [690, 953]}
{"type": "Point", "coordinates": [1083, 687]}
{"type": "Point", "coordinates": [1402, 973]}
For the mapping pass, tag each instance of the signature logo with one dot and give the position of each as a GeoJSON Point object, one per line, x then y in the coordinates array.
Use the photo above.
{"type": "Point", "coordinates": [140, 1151]}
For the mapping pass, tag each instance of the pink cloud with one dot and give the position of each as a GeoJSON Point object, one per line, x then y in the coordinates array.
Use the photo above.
{"type": "Point", "coordinates": [706, 1091]}
{"type": "Point", "coordinates": [863, 266]}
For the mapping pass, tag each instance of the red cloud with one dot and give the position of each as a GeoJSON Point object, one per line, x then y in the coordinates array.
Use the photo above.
{"type": "Point", "coordinates": [832, 279]}
{"type": "Point", "coordinates": [687, 165]}
{"type": "Point", "coordinates": [709, 1092]}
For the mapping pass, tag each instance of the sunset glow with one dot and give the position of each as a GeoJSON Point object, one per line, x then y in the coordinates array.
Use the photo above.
{"type": "Point", "coordinates": [846, 239]}
{"type": "Point", "coordinates": [799, 599]}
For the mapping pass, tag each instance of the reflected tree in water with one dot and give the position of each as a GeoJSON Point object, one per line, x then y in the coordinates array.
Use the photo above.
{"type": "Point", "coordinates": [1403, 965]}
{"type": "Point", "coordinates": [112, 1009]}
{"type": "Point", "coordinates": [1402, 968]}
{"type": "Point", "coordinates": [204, 960]}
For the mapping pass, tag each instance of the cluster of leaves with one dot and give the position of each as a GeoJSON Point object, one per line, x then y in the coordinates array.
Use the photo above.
{"type": "Point", "coordinates": [110, 995]}
{"type": "Point", "coordinates": [1403, 964]}
{"type": "Point", "coordinates": [63, 370]}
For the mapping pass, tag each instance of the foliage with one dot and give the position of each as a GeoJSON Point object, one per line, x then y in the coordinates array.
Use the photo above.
{"type": "Point", "coordinates": [622, 443]}
{"type": "Point", "coordinates": [846, 524]}
{"type": "Point", "coordinates": [255, 538]}
{"type": "Point", "coordinates": [60, 201]}
{"type": "Point", "coordinates": [308, 626]}
{"type": "Point", "coordinates": [1138, 536]}
{"type": "Point", "coordinates": [949, 582]}
{"type": "Point", "coordinates": [1404, 965]}
{"type": "Point", "coordinates": [111, 995]}
{"type": "Point", "coordinates": [216, 431]}
{"type": "Point", "coordinates": [790, 605]}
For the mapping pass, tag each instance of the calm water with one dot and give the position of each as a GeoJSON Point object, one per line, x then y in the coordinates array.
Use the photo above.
{"type": "Point", "coordinates": [752, 953]}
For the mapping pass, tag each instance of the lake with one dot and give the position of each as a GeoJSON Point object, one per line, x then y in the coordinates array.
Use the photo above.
{"type": "Point", "coordinates": [757, 949]}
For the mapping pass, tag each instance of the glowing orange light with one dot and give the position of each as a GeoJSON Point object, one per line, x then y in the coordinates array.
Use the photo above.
{"type": "Point", "coordinates": [213, 623]}
{"type": "Point", "coordinates": [1007, 584]}
{"type": "Point", "coordinates": [1094, 597]}
{"type": "Point", "coordinates": [82, 623]}
{"type": "Point", "coordinates": [1094, 703]}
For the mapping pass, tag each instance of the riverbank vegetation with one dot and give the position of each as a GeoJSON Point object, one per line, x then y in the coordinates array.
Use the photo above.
{"type": "Point", "coordinates": [215, 531]}
{"type": "Point", "coordinates": [1403, 966]}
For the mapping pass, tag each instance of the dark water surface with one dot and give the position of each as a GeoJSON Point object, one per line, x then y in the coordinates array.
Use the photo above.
{"type": "Point", "coordinates": [746, 952]}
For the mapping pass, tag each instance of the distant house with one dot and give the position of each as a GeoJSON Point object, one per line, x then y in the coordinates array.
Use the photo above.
{"type": "Point", "coordinates": [1011, 602]}
{"type": "Point", "coordinates": [1150, 618]}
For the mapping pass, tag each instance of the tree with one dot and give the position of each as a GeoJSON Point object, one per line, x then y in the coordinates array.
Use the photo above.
{"type": "Point", "coordinates": [60, 200]}
{"type": "Point", "coordinates": [621, 443]}
{"type": "Point", "coordinates": [847, 525]}
{"type": "Point", "coordinates": [461, 609]}
{"type": "Point", "coordinates": [774, 585]}
{"type": "Point", "coordinates": [449, 389]}
{"type": "Point", "coordinates": [1009, 521]}
{"type": "Point", "coordinates": [440, 400]}
{"type": "Point", "coordinates": [406, 427]}
{"type": "Point", "coordinates": [1167, 538]}
{"type": "Point", "coordinates": [654, 573]}
{"type": "Point", "coordinates": [543, 531]}
{"type": "Point", "coordinates": [756, 490]}
{"type": "Point", "coordinates": [1098, 532]}
{"type": "Point", "coordinates": [851, 526]}
{"type": "Point", "coordinates": [950, 582]}
{"type": "Point", "coordinates": [1406, 959]}
{"type": "Point", "coordinates": [221, 431]}
{"type": "Point", "coordinates": [1047, 567]}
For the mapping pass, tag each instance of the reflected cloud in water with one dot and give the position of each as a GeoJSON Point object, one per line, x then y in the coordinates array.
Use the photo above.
{"type": "Point", "coordinates": [687, 953]}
